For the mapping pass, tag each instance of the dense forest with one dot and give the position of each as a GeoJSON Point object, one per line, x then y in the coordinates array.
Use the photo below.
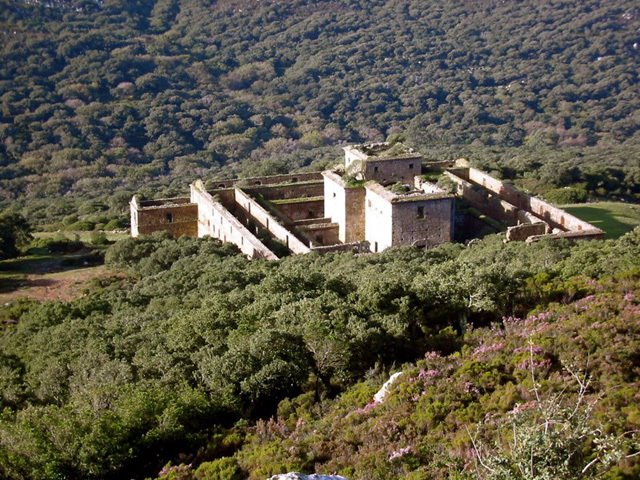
{"type": "Point", "coordinates": [187, 358]}
{"type": "Point", "coordinates": [188, 361]}
{"type": "Point", "coordinates": [120, 96]}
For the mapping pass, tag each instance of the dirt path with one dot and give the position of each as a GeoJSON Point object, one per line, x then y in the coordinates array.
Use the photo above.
{"type": "Point", "coordinates": [65, 285]}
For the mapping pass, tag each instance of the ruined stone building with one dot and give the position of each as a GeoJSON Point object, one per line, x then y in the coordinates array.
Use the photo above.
{"type": "Point", "coordinates": [379, 197]}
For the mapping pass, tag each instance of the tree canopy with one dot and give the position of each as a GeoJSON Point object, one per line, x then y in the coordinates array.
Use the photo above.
{"type": "Point", "coordinates": [123, 95]}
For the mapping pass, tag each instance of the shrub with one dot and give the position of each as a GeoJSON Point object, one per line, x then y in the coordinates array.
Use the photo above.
{"type": "Point", "coordinates": [225, 468]}
{"type": "Point", "coordinates": [57, 244]}
{"type": "Point", "coordinates": [81, 225]}
{"type": "Point", "coordinates": [575, 194]}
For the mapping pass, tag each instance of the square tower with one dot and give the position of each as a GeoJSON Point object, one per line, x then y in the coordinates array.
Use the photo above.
{"type": "Point", "coordinates": [382, 162]}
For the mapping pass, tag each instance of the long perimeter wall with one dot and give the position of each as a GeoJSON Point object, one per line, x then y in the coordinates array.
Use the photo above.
{"type": "Point", "coordinates": [218, 222]}
{"type": "Point", "coordinates": [526, 206]}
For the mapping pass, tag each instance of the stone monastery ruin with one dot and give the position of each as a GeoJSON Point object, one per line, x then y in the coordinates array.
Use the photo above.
{"type": "Point", "coordinates": [380, 197]}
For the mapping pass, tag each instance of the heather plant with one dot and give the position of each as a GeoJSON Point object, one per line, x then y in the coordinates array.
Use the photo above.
{"type": "Point", "coordinates": [553, 437]}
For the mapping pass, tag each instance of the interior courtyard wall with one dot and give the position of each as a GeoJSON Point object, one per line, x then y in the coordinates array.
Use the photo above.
{"type": "Point", "coordinates": [216, 221]}
{"type": "Point", "coordinates": [269, 222]}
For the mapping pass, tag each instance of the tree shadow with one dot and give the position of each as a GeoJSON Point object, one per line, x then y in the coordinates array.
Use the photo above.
{"type": "Point", "coordinates": [602, 218]}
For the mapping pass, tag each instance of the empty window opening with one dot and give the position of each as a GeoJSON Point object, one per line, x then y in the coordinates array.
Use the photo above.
{"type": "Point", "coordinates": [334, 194]}
{"type": "Point", "coordinates": [168, 217]}
{"type": "Point", "coordinates": [411, 166]}
{"type": "Point", "coordinates": [294, 179]}
{"type": "Point", "coordinates": [319, 238]}
{"type": "Point", "coordinates": [241, 240]}
{"type": "Point", "coordinates": [420, 213]}
{"type": "Point", "coordinates": [257, 182]}
{"type": "Point", "coordinates": [310, 214]}
{"type": "Point", "coordinates": [221, 185]}
{"type": "Point", "coordinates": [287, 240]}
{"type": "Point", "coordinates": [375, 247]}
{"type": "Point", "coordinates": [267, 223]}
{"type": "Point", "coordinates": [375, 169]}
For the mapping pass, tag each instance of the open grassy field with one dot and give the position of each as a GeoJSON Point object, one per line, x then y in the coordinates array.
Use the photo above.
{"type": "Point", "coordinates": [615, 218]}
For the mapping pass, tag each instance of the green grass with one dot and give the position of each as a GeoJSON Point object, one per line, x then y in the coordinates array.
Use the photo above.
{"type": "Point", "coordinates": [615, 218]}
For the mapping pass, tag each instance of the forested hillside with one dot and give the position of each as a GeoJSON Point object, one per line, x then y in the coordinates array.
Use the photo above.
{"type": "Point", "coordinates": [103, 96]}
{"type": "Point", "coordinates": [186, 359]}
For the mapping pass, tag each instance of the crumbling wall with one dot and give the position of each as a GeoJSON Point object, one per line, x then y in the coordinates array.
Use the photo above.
{"type": "Point", "coordinates": [320, 234]}
{"type": "Point", "coordinates": [174, 215]}
{"type": "Point", "coordinates": [487, 202]}
{"type": "Point", "coordinates": [354, 247]}
{"type": "Point", "coordinates": [292, 190]}
{"type": "Point", "coordinates": [266, 180]}
{"type": "Point", "coordinates": [392, 170]}
{"type": "Point", "coordinates": [526, 230]}
{"type": "Point", "coordinates": [300, 209]}
{"type": "Point", "coordinates": [218, 222]}
{"type": "Point", "coordinates": [554, 216]}
{"type": "Point", "coordinates": [269, 222]}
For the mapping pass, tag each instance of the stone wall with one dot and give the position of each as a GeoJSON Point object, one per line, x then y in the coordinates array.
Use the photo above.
{"type": "Point", "coordinates": [269, 222]}
{"type": "Point", "coordinates": [345, 206]}
{"type": "Point", "coordinates": [292, 190]}
{"type": "Point", "coordinates": [218, 222]}
{"type": "Point", "coordinates": [378, 219]}
{"type": "Point", "coordinates": [268, 180]}
{"type": "Point", "coordinates": [354, 247]}
{"type": "Point", "coordinates": [505, 203]}
{"type": "Point", "coordinates": [488, 203]}
{"type": "Point", "coordinates": [526, 230]}
{"type": "Point", "coordinates": [423, 223]}
{"type": "Point", "coordinates": [319, 234]}
{"type": "Point", "coordinates": [300, 209]}
{"type": "Point", "coordinates": [174, 215]}
{"type": "Point", "coordinates": [554, 216]}
{"type": "Point", "coordinates": [392, 170]}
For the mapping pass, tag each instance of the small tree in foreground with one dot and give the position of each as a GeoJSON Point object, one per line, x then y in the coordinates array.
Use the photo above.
{"type": "Point", "coordinates": [15, 233]}
{"type": "Point", "coordinates": [553, 439]}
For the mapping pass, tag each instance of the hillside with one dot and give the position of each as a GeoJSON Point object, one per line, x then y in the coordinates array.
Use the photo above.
{"type": "Point", "coordinates": [187, 358]}
{"type": "Point", "coordinates": [110, 96]}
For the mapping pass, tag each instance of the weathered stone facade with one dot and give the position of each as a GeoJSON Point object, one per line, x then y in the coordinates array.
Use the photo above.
{"type": "Point", "coordinates": [375, 200]}
{"type": "Point", "coordinates": [509, 205]}
{"type": "Point", "coordinates": [174, 215]}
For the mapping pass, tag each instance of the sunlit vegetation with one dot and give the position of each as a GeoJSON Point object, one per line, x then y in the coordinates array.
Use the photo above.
{"type": "Point", "coordinates": [196, 363]}
{"type": "Point", "coordinates": [176, 361]}
{"type": "Point", "coordinates": [124, 96]}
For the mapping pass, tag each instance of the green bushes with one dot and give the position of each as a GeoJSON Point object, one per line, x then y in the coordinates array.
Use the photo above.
{"type": "Point", "coordinates": [224, 468]}
{"type": "Point", "coordinates": [57, 244]}
{"type": "Point", "coordinates": [161, 365]}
